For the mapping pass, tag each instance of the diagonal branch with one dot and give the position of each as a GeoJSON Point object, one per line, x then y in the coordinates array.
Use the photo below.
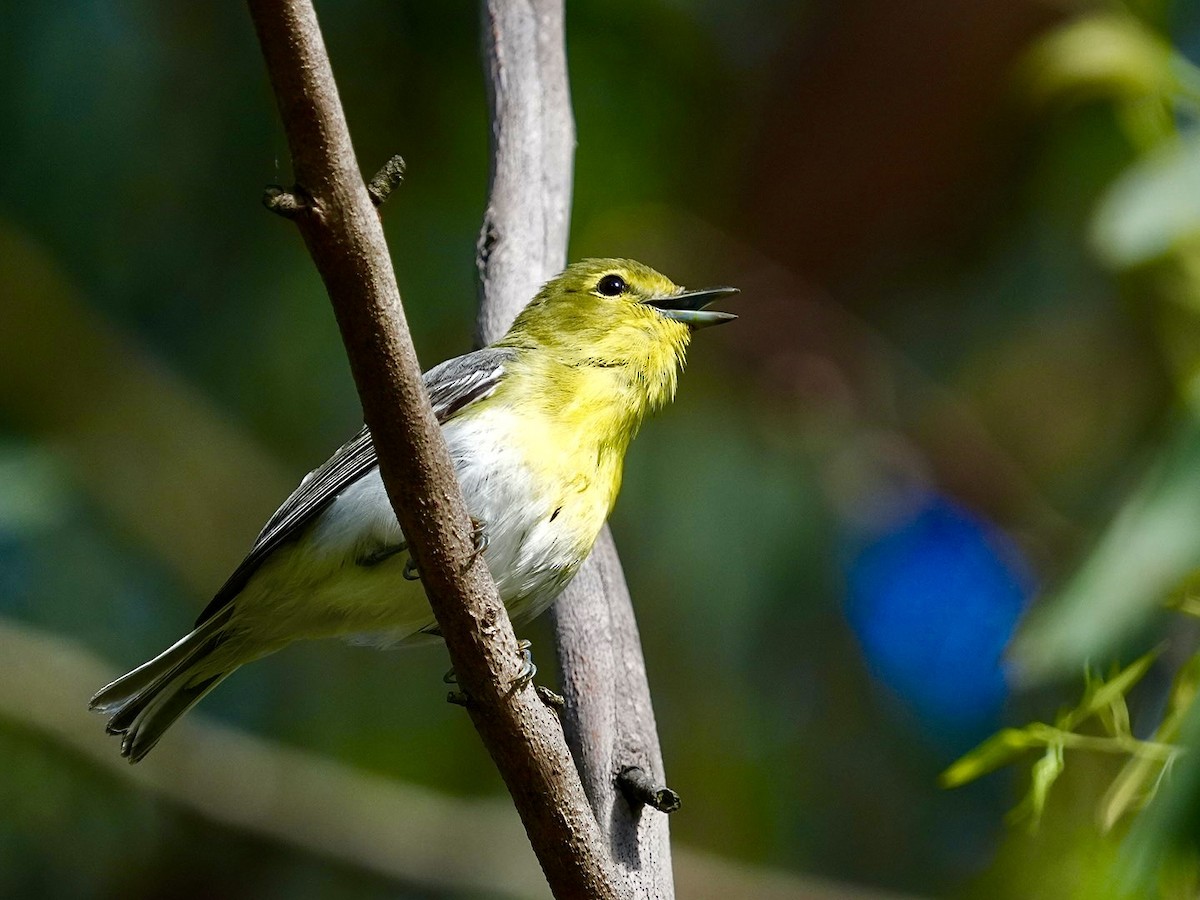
{"type": "Point", "coordinates": [609, 716]}
{"type": "Point", "coordinates": [345, 239]}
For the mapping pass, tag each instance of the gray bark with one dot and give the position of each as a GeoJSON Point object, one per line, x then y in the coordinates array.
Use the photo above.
{"type": "Point", "coordinates": [523, 241]}
{"type": "Point", "coordinates": [609, 717]}
{"type": "Point", "coordinates": [335, 215]}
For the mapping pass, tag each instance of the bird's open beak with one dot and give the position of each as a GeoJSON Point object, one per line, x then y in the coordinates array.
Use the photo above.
{"type": "Point", "coordinates": [689, 307]}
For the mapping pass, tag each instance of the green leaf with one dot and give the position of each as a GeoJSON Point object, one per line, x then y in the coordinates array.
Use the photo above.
{"type": "Point", "coordinates": [1151, 209]}
{"type": "Point", "coordinates": [1101, 55]}
{"type": "Point", "coordinates": [1104, 695]}
{"type": "Point", "coordinates": [1138, 781]}
{"type": "Point", "coordinates": [1045, 772]}
{"type": "Point", "coordinates": [1183, 695]}
{"type": "Point", "coordinates": [1169, 822]}
{"type": "Point", "coordinates": [1148, 549]}
{"type": "Point", "coordinates": [997, 750]}
{"type": "Point", "coordinates": [1134, 787]}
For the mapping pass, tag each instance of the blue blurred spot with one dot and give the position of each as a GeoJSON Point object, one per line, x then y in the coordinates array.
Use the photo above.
{"type": "Point", "coordinates": [934, 598]}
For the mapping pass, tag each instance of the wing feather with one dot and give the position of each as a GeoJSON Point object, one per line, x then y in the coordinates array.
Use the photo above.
{"type": "Point", "coordinates": [453, 386]}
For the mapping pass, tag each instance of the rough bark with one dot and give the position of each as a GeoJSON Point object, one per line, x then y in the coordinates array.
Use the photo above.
{"type": "Point", "coordinates": [523, 241]}
{"type": "Point", "coordinates": [609, 717]}
{"type": "Point", "coordinates": [341, 229]}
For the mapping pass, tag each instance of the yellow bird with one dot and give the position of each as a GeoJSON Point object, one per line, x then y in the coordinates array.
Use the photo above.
{"type": "Point", "coordinates": [537, 425]}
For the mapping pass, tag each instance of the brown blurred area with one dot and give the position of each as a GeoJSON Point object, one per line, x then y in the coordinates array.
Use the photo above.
{"type": "Point", "coordinates": [891, 131]}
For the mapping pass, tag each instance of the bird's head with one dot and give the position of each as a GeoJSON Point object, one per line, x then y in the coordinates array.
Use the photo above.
{"type": "Point", "coordinates": [605, 341]}
{"type": "Point", "coordinates": [616, 312]}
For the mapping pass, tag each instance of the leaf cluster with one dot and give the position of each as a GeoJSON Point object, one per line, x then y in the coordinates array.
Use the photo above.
{"type": "Point", "coordinates": [1101, 723]}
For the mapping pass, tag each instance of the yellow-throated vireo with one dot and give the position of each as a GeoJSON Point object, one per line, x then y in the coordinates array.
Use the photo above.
{"type": "Point", "coordinates": [537, 425]}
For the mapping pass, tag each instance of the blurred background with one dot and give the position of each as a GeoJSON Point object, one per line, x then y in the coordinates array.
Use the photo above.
{"type": "Point", "coordinates": [960, 405]}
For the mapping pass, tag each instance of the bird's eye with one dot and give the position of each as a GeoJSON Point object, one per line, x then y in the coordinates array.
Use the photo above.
{"type": "Point", "coordinates": [612, 286]}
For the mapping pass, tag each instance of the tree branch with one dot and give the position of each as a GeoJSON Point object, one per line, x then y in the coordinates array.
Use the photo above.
{"type": "Point", "coordinates": [345, 239]}
{"type": "Point", "coordinates": [523, 241]}
{"type": "Point", "coordinates": [609, 717]}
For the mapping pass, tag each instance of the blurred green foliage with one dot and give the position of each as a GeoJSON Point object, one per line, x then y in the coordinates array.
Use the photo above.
{"type": "Point", "coordinates": [1145, 228]}
{"type": "Point", "coordinates": [967, 239]}
{"type": "Point", "coordinates": [1104, 700]}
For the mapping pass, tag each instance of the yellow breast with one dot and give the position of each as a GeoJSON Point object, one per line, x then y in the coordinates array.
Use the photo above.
{"type": "Point", "coordinates": [572, 411]}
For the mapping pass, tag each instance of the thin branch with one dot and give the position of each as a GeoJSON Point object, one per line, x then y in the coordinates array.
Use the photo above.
{"type": "Point", "coordinates": [523, 241]}
{"type": "Point", "coordinates": [642, 790]}
{"type": "Point", "coordinates": [609, 717]}
{"type": "Point", "coordinates": [345, 239]}
{"type": "Point", "coordinates": [610, 720]}
{"type": "Point", "coordinates": [386, 180]}
{"type": "Point", "coordinates": [282, 202]}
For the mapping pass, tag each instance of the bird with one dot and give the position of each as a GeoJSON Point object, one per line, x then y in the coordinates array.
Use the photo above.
{"type": "Point", "coordinates": [537, 425]}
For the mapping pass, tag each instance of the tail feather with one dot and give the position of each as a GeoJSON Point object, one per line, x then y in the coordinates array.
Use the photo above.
{"type": "Point", "coordinates": [160, 713]}
{"type": "Point", "coordinates": [142, 704]}
{"type": "Point", "coordinates": [154, 673]}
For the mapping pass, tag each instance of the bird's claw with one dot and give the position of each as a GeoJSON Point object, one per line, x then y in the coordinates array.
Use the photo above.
{"type": "Point", "coordinates": [528, 667]}
{"type": "Point", "coordinates": [524, 677]}
{"type": "Point", "coordinates": [410, 570]}
{"type": "Point", "coordinates": [458, 698]}
{"type": "Point", "coordinates": [479, 541]}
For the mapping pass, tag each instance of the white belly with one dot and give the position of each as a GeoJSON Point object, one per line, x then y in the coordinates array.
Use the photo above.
{"type": "Point", "coordinates": [317, 586]}
{"type": "Point", "coordinates": [532, 551]}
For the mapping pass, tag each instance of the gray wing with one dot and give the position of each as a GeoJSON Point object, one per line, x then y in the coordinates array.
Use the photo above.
{"type": "Point", "coordinates": [453, 386]}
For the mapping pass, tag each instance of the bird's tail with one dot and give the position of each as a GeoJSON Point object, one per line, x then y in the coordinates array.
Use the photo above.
{"type": "Point", "coordinates": [144, 703]}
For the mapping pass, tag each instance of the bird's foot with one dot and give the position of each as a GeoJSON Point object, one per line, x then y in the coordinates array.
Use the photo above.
{"type": "Point", "coordinates": [410, 570]}
{"type": "Point", "coordinates": [479, 541]}
{"type": "Point", "coordinates": [528, 667]}
{"type": "Point", "coordinates": [524, 677]}
{"type": "Point", "coordinates": [380, 554]}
